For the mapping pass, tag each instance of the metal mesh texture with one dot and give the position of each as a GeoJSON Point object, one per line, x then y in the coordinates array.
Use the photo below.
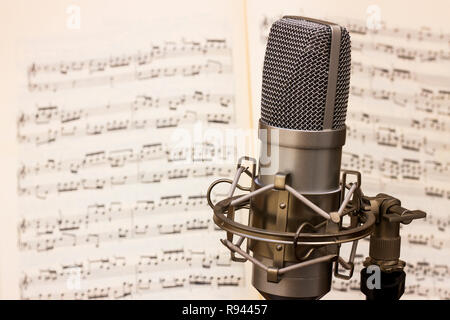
{"type": "Point", "coordinates": [295, 76]}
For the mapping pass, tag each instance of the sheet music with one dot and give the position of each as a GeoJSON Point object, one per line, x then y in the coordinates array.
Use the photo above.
{"type": "Point", "coordinates": [114, 161]}
{"type": "Point", "coordinates": [398, 122]}
{"type": "Point", "coordinates": [111, 194]}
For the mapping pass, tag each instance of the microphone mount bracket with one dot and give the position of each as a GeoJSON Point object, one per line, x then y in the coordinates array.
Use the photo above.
{"type": "Point", "coordinates": [378, 217]}
{"type": "Point", "coordinates": [224, 217]}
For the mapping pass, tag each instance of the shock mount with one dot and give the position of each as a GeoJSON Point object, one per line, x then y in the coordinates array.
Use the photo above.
{"type": "Point", "coordinates": [378, 217]}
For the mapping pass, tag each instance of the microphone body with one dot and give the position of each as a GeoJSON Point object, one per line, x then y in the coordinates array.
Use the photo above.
{"type": "Point", "coordinates": [313, 160]}
{"type": "Point", "coordinates": [302, 131]}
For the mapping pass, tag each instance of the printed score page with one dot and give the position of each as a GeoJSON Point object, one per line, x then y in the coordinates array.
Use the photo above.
{"type": "Point", "coordinates": [121, 127]}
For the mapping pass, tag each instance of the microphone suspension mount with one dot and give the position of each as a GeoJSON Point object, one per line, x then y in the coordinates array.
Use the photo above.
{"type": "Point", "coordinates": [378, 217]}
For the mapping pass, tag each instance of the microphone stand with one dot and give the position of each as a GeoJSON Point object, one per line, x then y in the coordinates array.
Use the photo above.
{"type": "Point", "coordinates": [384, 249]}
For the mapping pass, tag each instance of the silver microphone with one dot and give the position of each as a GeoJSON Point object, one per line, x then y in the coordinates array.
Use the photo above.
{"type": "Point", "coordinates": [298, 198]}
{"type": "Point", "coordinates": [305, 90]}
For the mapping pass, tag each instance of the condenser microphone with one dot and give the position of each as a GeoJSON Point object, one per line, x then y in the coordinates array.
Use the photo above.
{"type": "Point", "coordinates": [298, 194]}
{"type": "Point", "coordinates": [305, 90]}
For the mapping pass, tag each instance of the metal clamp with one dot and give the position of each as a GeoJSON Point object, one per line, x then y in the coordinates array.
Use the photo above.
{"type": "Point", "coordinates": [350, 265]}
{"type": "Point", "coordinates": [273, 272]}
{"type": "Point", "coordinates": [224, 213]}
{"type": "Point", "coordinates": [222, 209]}
{"type": "Point", "coordinates": [297, 235]}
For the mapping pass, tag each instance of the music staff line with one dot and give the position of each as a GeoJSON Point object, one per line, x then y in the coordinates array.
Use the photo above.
{"type": "Point", "coordinates": [66, 232]}
{"type": "Point", "coordinates": [415, 142]}
{"type": "Point", "coordinates": [52, 239]}
{"type": "Point", "coordinates": [118, 211]}
{"type": "Point", "coordinates": [114, 211]}
{"type": "Point", "coordinates": [390, 136]}
{"type": "Point", "coordinates": [394, 139]}
{"type": "Point", "coordinates": [108, 267]}
{"type": "Point", "coordinates": [177, 259]}
{"type": "Point", "coordinates": [419, 34]}
{"type": "Point", "coordinates": [398, 168]}
{"type": "Point", "coordinates": [209, 67]}
{"type": "Point", "coordinates": [42, 191]}
{"type": "Point", "coordinates": [116, 266]}
{"type": "Point", "coordinates": [144, 284]}
{"type": "Point", "coordinates": [394, 74]}
{"type": "Point", "coordinates": [426, 123]}
{"type": "Point", "coordinates": [402, 168]}
{"type": "Point", "coordinates": [405, 53]}
{"type": "Point", "coordinates": [411, 170]}
{"type": "Point", "coordinates": [217, 67]}
{"type": "Point", "coordinates": [107, 127]}
{"type": "Point", "coordinates": [426, 101]}
{"type": "Point", "coordinates": [197, 152]}
{"type": "Point", "coordinates": [406, 169]}
{"type": "Point", "coordinates": [144, 57]}
{"type": "Point", "coordinates": [438, 242]}
{"type": "Point", "coordinates": [359, 27]}
{"type": "Point", "coordinates": [51, 113]}
{"type": "Point", "coordinates": [427, 240]}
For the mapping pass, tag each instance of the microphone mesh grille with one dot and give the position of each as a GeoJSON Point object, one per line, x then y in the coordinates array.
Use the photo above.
{"type": "Point", "coordinates": [295, 75]}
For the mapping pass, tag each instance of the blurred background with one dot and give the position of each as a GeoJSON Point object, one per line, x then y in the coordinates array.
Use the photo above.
{"type": "Point", "coordinates": [117, 116]}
